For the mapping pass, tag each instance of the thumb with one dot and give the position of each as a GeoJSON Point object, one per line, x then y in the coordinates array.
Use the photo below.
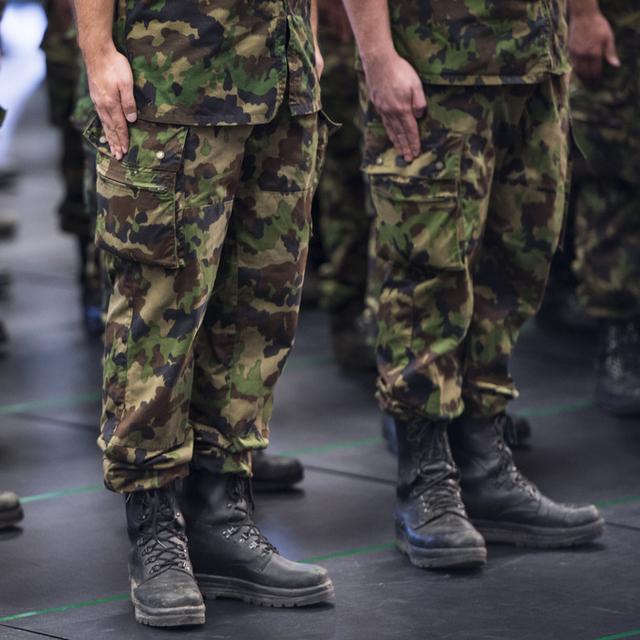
{"type": "Point", "coordinates": [128, 101]}
{"type": "Point", "coordinates": [418, 101]}
{"type": "Point", "coordinates": [610, 53]}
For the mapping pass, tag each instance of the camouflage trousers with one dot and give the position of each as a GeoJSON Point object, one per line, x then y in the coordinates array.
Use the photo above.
{"type": "Point", "coordinates": [466, 233]}
{"type": "Point", "coordinates": [607, 180]}
{"type": "Point", "coordinates": [344, 221]}
{"type": "Point", "coordinates": [205, 232]}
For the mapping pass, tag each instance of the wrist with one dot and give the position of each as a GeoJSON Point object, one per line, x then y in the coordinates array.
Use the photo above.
{"type": "Point", "coordinates": [95, 50]}
{"type": "Point", "coordinates": [379, 57]}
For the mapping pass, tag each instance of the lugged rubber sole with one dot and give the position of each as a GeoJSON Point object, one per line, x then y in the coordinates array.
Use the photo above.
{"type": "Point", "coordinates": [461, 558]}
{"type": "Point", "coordinates": [167, 617]}
{"type": "Point", "coordinates": [11, 517]}
{"type": "Point", "coordinates": [539, 537]}
{"type": "Point", "coordinates": [264, 596]}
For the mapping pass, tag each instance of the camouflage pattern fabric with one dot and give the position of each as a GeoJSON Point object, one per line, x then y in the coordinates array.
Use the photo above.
{"type": "Point", "coordinates": [607, 181]}
{"type": "Point", "coordinates": [475, 42]}
{"type": "Point", "coordinates": [93, 272]}
{"type": "Point", "coordinates": [219, 63]}
{"type": "Point", "coordinates": [205, 232]}
{"type": "Point", "coordinates": [63, 67]}
{"type": "Point", "coordinates": [344, 221]}
{"type": "Point", "coordinates": [466, 233]}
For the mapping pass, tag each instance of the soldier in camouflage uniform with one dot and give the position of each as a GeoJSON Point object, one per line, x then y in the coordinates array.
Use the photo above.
{"type": "Point", "coordinates": [64, 69]}
{"type": "Point", "coordinates": [345, 219]}
{"type": "Point", "coordinates": [270, 473]}
{"type": "Point", "coordinates": [466, 152]}
{"type": "Point", "coordinates": [606, 116]}
{"type": "Point", "coordinates": [204, 216]}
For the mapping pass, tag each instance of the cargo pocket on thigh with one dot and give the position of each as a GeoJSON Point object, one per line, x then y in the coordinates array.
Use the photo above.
{"type": "Point", "coordinates": [137, 214]}
{"type": "Point", "coordinates": [418, 215]}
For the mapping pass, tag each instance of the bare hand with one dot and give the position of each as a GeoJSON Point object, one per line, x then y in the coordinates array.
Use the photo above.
{"type": "Point", "coordinates": [396, 91]}
{"type": "Point", "coordinates": [591, 41]}
{"type": "Point", "coordinates": [111, 89]}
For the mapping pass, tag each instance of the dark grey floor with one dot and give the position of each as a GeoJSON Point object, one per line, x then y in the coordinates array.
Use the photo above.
{"type": "Point", "coordinates": [63, 573]}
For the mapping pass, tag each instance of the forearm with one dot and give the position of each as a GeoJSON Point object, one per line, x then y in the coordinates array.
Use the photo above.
{"type": "Point", "coordinates": [95, 24]}
{"type": "Point", "coordinates": [314, 19]}
{"type": "Point", "coordinates": [371, 25]}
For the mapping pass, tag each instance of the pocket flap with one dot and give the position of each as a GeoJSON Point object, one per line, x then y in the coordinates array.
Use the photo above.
{"type": "Point", "coordinates": [439, 159]}
{"type": "Point", "coordinates": [150, 146]}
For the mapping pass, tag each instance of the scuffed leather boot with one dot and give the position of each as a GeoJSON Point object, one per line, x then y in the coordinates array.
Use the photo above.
{"type": "Point", "coordinates": [275, 473]}
{"type": "Point", "coordinates": [618, 367]}
{"type": "Point", "coordinates": [10, 509]}
{"type": "Point", "coordinates": [432, 527]}
{"type": "Point", "coordinates": [517, 431]}
{"type": "Point", "coordinates": [163, 590]}
{"type": "Point", "coordinates": [232, 558]}
{"type": "Point", "coordinates": [502, 504]}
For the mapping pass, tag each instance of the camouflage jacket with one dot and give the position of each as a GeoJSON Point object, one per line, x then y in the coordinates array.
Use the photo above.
{"type": "Point", "coordinates": [219, 62]}
{"type": "Point", "coordinates": [481, 41]}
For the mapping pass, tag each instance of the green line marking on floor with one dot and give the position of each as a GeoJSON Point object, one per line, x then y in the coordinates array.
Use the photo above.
{"type": "Point", "coordinates": [357, 551]}
{"type": "Point", "coordinates": [614, 502]}
{"type": "Point", "coordinates": [309, 362]}
{"type": "Point", "coordinates": [334, 446]}
{"type": "Point", "coordinates": [120, 597]}
{"type": "Point", "coordinates": [63, 493]}
{"type": "Point", "coordinates": [620, 636]}
{"type": "Point", "coordinates": [556, 409]}
{"type": "Point", "coordinates": [296, 364]}
{"type": "Point", "coordinates": [50, 403]}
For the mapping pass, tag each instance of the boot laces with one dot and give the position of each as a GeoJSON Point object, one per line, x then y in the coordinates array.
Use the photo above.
{"type": "Point", "coordinates": [163, 544]}
{"type": "Point", "coordinates": [438, 483]}
{"type": "Point", "coordinates": [507, 471]}
{"type": "Point", "coordinates": [441, 492]}
{"type": "Point", "coordinates": [239, 489]}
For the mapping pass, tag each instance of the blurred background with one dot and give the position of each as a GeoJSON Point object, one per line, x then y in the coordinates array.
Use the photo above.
{"type": "Point", "coordinates": [577, 421]}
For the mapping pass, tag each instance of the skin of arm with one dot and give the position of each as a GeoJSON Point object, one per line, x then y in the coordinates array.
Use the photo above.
{"type": "Point", "coordinates": [108, 71]}
{"type": "Point", "coordinates": [314, 28]}
{"type": "Point", "coordinates": [395, 88]}
{"type": "Point", "coordinates": [591, 40]}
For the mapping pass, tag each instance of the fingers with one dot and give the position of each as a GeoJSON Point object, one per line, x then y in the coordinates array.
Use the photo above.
{"type": "Point", "coordinates": [419, 102]}
{"type": "Point", "coordinates": [610, 52]}
{"type": "Point", "coordinates": [127, 101]}
{"type": "Point", "coordinates": [111, 89]}
{"type": "Point", "coordinates": [115, 129]}
{"type": "Point", "coordinates": [403, 131]}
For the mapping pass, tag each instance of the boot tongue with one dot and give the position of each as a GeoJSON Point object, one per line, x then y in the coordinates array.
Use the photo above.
{"type": "Point", "coordinates": [162, 534]}
{"type": "Point", "coordinates": [240, 498]}
{"type": "Point", "coordinates": [436, 476]}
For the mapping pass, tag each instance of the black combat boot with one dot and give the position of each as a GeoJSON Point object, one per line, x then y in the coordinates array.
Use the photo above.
{"type": "Point", "coordinates": [505, 506]}
{"type": "Point", "coordinates": [618, 368]}
{"type": "Point", "coordinates": [517, 431]}
{"type": "Point", "coordinates": [432, 527]}
{"type": "Point", "coordinates": [275, 473]}
{"type": "Point", "coordinates": [231, 557]}
{"type": "Point", "coordinates": [163, 590]}
{"type": "Point", "coordinates": [10, 509]}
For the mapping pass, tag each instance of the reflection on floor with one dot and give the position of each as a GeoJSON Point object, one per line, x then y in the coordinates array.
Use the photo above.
{"type": "Point", "coordinates": [63, 574]}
